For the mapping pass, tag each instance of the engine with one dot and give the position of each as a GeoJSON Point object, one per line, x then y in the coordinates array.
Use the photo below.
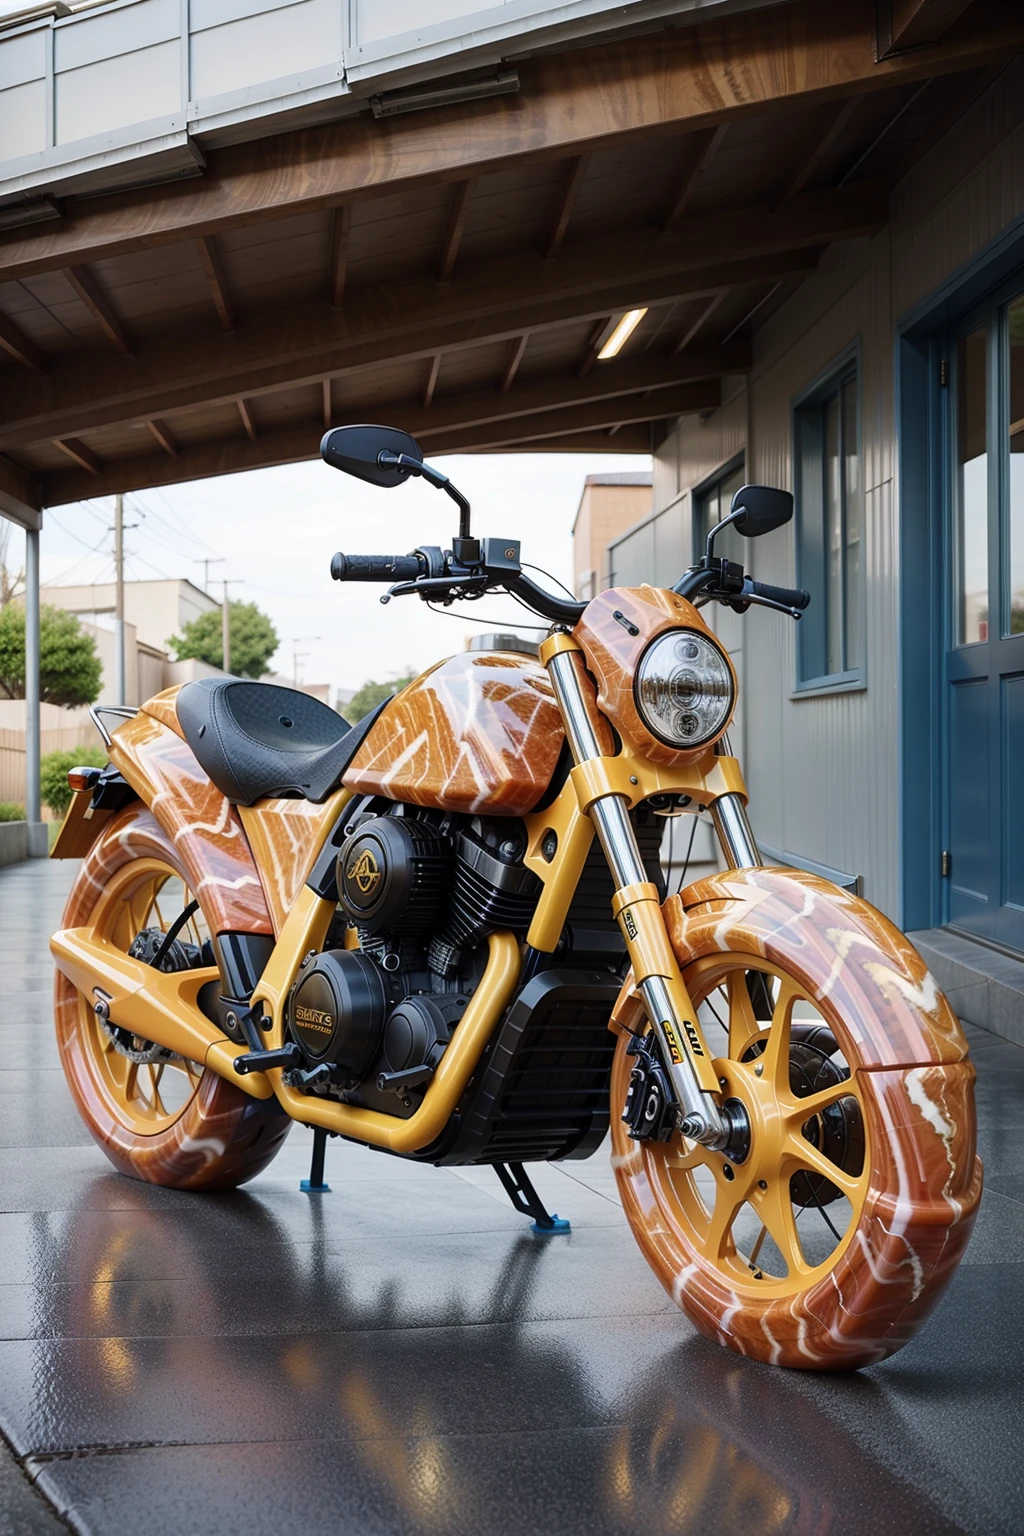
{"type": "Point", "coordinates": [422, 890]}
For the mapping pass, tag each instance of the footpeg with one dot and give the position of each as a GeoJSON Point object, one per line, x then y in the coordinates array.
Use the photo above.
{"type": "Point", "coordinates": [262, 1061]}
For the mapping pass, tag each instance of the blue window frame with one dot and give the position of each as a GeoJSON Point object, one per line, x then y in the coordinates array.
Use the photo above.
{"type": "Point", "coordinates": [829, 530]}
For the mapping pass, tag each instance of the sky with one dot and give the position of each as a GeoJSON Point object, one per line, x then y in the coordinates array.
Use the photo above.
{"type": "Point", "coordinates": [275, 530]}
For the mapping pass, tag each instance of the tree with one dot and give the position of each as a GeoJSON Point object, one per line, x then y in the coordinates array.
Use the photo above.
{"type": "Point", "coordinates": [253, 640]}
{"type": "Point", "coordinates": [53, 774]}
{"type": "Point", "coordinates": [371, 694]}
{"type": "Point", "coordinates": [12, 583]}
{"type": "Point", "coordinates": [69, 668]}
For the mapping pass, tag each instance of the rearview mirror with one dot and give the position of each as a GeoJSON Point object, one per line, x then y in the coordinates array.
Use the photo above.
{"type": "Point", "coordinates": [357, 451]}
{"type": "Point", "coordinates": [758, 509]}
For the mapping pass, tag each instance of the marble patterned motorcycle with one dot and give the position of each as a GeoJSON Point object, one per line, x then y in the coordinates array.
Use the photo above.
{"type": "Point", "coordinates": [445, 932]}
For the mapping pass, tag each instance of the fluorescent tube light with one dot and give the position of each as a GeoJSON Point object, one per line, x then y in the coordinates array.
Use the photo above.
{"type": "Point", "coordinates": [621, 334]}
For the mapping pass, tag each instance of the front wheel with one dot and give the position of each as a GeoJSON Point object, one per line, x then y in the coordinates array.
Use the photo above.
{"type": "Point", "coordinates": [831, 1241]}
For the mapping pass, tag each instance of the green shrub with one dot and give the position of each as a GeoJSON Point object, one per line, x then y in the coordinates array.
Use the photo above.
{"type": "Point", "coordinates": [54, 770]}
{"type": "Point", "coordinates": [11, 812]}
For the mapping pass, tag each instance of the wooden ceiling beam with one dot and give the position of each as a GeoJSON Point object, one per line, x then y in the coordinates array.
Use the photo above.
{"type": "Point", "coordinates": [341, 232]}
{"type": "Point", "coordinates": [21, 348]}
{"type": "Point", "coordinates": [702, 310]}
{"type": "Point", "coordinates": [164, 436]}
{"type": "Point", "coordinates": [700, 153]}
{"type": "Point", "coordinates": [513, 358]}
{"type": "Point", "coordinates": [491, 301]}
{"type": "Point", "coordinates": [663, 405]}
{"type": "Point", "coordinates": [431, 380]}
{"type": "Point", "coordinates": [247, 422]}
{"type": "Point", "coordinates": [326, 405]}
{"type": "Point", "coordinates": [209, 256]}
{"type": "Point", "coordinates": [568, 187]}
{"type": "Point", "coordinates": [571, 103]}
{"type": "Point", "coordinates": [20, 498]}
{"type": "Point", "coordinates": [100, 307]}
{"type": "Point", "coordinates": [912, 23]}
{"type": "Point", "coordinates": [454, 224]}
{"type": "Point", "coordinates": [80, 453]}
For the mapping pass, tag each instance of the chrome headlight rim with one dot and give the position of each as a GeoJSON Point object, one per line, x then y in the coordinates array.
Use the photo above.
{"type": "Point", "coordinates": [693, 744]}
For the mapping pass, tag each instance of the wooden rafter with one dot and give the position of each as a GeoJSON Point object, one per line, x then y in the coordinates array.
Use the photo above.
{"type": "Point", "coordinates": [834, 122]}
{"type": "Point", "coordinates": [210, 258]}
{"type": "Point", "coordinates": [513, 357]}
{"type": "Point", "coordinates": [247, 421]}
{"type": "Point", "coordinates": [326, 406]}
{"type": "Point", "coordinates": [80, 453]}
{"type": "Point", "coordinates": [164, 436]}
{"type": "Point", "coordinates": [297, 443]}
{"type": "Point", "coordinates": [100, 307]}
{"type": "Point", "coordinates": [341, 230]}
{"type": "Point", "coordinates": [912, 23]}
{"type": "Point", "coordinates": [23, 350]}
{"type": "Point", "coordinates": [568, 187]}
{"type": "Point", "coordinates": [700, 152]}
{"type": "Point", "coordinates": [493, 300]}
{"type": "Point", "coordinates": [595, 341]}
{"type": "Point", "coordinates": [431, 380]}
{"type": "Point", "coordinates": [702, 311]}
{"type": "Point", "coordinates": [454, 224]}
{"type": "Point", "coordinates": [691, 78]}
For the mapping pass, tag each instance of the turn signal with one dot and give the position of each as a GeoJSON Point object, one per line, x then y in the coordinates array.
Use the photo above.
{"type": "Point", "coordinates": [82, 778]}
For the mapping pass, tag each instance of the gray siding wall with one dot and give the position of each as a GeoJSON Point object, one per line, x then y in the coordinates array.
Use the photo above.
{"type": "Point", "coordinates": [823, 771]}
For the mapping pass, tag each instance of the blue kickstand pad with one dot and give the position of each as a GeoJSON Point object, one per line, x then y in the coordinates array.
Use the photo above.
{"type": "Point", "coordinates": [309, 1188]}
{"type": "Point", "coordinates": [558, 1224]}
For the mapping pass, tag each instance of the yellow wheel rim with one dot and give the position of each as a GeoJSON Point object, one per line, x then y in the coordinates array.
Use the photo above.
{"type": "Point", "coordinates": [777, 1223]}
{"type": "Point", "coordinates": [145, 1097]}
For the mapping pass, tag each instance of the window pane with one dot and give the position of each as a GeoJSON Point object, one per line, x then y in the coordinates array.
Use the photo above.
{"type": "Point", "coordinates": [851, 490]}
{"type": "Point", "coordinates": [714, 505]}
{"type": "Point", "coordinates": [972, 489]}
{"type": "Point", "coordinates": [1015, 325]}
{"type": "Point", "coordinates": [833, 539]}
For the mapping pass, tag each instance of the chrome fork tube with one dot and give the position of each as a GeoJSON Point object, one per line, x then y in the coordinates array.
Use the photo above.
{"type": "Point", "coordinates": [735, 833]}
{"type": "Point", "coordinates": [610, 815]}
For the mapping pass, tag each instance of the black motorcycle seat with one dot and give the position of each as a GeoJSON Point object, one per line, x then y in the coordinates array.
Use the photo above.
{"type": "Point", "coordinates": [256, 740]}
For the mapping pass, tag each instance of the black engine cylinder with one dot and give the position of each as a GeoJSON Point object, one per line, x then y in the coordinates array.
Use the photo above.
{"type": "Point", "coordinates": [392, 873]}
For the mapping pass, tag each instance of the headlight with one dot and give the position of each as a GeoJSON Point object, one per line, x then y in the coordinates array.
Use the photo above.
{"type": "Point", "coordinates": [684, 689]}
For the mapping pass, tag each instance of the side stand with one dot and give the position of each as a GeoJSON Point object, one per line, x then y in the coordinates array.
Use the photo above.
{"type": "Point", "coordinates": [527, 1201]}
{"type": "Point", "coordinates": [315, 1185]}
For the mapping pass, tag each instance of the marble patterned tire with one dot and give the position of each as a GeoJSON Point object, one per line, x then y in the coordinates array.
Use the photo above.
{"type": "Point", "coordinates": [828, 1246]}
{"type": "Point", "coordinates": [168, 1122]}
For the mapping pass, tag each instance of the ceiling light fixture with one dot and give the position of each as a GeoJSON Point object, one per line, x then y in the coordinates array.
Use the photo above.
{"type": "Point", "coordinates": [621, 334]}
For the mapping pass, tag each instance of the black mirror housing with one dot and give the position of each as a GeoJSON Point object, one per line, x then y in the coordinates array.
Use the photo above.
{"type": "Point", "coordinates": [357, 450]}
{"type": "Point", "coordinates": [758, 509]}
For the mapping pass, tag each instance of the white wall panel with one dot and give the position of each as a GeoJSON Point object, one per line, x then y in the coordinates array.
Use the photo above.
{"type": "Point", "coordinates": [124, 29]}
{"type": "Point", "coordinates": [23, 119]}
{"type": "Point", "coordinates": [23, 58]}
{"type": "Point", "coordinates": [265, 47]}
{"type": "Point", "coordinates": [378, 19]}
{"type": "Point", "coordinates": [114, 93]}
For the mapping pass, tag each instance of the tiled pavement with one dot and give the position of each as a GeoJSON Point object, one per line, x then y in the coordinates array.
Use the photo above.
{"type": "Point", "coordinates": [401, 1356]}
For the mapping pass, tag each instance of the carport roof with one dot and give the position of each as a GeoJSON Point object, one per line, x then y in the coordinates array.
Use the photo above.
{"type": "Point", "coordinates": [456, 270]}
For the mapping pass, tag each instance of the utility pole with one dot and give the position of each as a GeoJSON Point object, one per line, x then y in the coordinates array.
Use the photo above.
{"type": "Point", "coordinates": [299, 655]}
{"type": "Point", "coordinates": [119, 658]}
{"type": "Point", "coordinates": [214, 560]}
{"type": "Point", "coordinates": [225, 621]}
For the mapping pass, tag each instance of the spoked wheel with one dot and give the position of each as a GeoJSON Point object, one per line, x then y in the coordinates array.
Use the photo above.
{"type": "Point", "coordinates": [157, 1115]}
{"type": "Point", "coordinates": [827, 1240]}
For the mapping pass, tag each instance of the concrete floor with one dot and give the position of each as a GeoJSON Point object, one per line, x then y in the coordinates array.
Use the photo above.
{"type": "Point", "coordinates": [401, 1356]}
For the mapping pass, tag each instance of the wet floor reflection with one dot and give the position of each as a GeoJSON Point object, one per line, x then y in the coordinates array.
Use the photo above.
{"type": "Point", "coordinates": [432, 1390]}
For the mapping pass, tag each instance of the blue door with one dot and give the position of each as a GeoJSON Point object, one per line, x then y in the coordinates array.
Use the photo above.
{"type": "Point", "coordinates": [983, 862]}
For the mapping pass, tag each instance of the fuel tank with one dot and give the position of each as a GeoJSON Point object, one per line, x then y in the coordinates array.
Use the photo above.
{"type": "Point", "coordinates": [480, 732]}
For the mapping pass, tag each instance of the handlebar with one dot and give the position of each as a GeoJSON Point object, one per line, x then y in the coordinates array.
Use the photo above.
{"type": "Point", "coordinates": [377, 567]}
{"type": "Point", "coordinates": [789, 597]}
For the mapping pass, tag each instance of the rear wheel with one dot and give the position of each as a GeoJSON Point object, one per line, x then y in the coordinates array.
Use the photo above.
{"type": "Point", "coordinates": [830, 1241]}
{"type": "Point", "coordinates": [157, 1116]}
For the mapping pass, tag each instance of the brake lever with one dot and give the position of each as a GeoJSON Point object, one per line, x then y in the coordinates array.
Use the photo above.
{"type": "Point", "coordinates": [426, 585]}
{"type": "Point", "coordinates": [762, 602]}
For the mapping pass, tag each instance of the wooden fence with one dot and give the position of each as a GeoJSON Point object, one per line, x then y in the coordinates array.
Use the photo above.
{"type": "Point", "coordinates": [12, 754]}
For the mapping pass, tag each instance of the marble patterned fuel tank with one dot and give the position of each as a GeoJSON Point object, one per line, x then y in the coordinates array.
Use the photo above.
{"type": "Point", "coordinates": [480, 732]}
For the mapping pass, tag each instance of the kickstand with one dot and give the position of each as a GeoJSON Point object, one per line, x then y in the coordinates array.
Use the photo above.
{"type": "Point", "coordinates": [315, 1185]}
{"type": "Point", "coordinates": [527, 1201]}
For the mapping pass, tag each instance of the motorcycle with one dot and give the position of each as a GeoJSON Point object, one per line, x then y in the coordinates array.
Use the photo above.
{"type": "Point", "coordinates": [445, 932]}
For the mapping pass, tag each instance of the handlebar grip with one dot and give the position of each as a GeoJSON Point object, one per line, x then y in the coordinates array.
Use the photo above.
{"type": "Point", "coordinates": [789, 597]}
{"type": "Point", "coordinates": [376, 567]}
